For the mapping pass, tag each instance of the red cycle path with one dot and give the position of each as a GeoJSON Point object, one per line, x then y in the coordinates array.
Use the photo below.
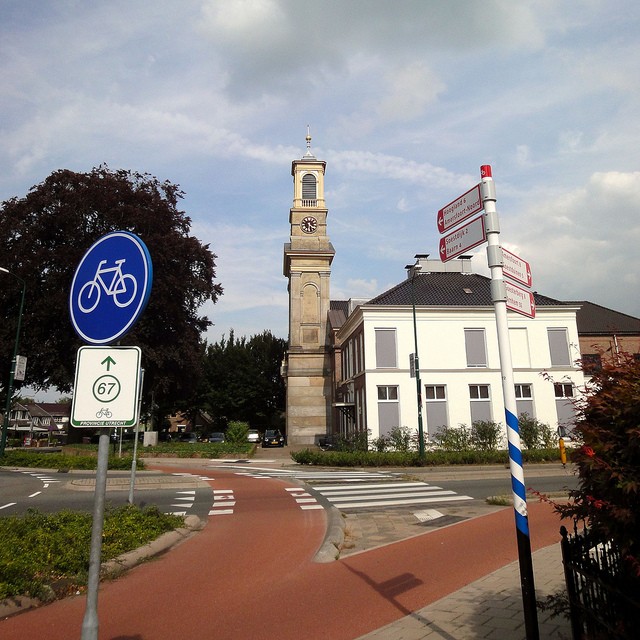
{"type": "Point", "coordinates": [251, 575]}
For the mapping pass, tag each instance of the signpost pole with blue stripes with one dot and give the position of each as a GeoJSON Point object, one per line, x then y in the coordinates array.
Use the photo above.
{"type": "Point", "coordinates": [499, 298]}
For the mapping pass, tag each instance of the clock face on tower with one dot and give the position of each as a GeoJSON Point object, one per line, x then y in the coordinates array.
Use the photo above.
{"type": "Point", "coordinates": [309, 224]}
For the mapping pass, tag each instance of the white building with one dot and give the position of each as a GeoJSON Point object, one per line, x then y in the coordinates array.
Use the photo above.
{"type": "Point", "coordinates": [458, 355]}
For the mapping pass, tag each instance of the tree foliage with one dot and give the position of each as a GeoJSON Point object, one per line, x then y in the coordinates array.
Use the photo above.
{"type": "Point", "coordinates": [242, 379]}
{"type": "Point", "coordinates": [45, 234]}
{"type": "Point", "coordinates": [608, 462]}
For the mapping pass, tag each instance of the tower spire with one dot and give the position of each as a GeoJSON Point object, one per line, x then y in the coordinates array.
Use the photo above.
{"type": "Point", "coordinates": [308, 138]}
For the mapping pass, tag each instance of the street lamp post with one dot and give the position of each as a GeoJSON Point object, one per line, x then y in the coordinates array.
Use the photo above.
{"type": "Point", "coordinates": [415, 269]}
{"type": "Point", "coordinates": [12, 372]}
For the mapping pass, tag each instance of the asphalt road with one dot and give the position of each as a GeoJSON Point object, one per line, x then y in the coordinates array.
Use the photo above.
{"type": "Point", "coordinates": [50, 492]}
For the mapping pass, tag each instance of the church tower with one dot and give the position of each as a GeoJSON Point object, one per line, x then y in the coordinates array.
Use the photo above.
{"type": "Point", "coordinates": [307, 265]}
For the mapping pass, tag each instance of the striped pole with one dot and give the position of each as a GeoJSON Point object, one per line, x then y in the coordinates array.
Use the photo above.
{"type": "Point", "coordinates": [499, 298]}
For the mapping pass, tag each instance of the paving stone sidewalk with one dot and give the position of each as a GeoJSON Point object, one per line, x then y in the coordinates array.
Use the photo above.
{"type": "Point", "coordinates": [490, 608]}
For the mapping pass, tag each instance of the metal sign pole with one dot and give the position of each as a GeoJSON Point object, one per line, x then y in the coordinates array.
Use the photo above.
{"type": "Point", "coordinates": [499, 298]}
{"type": "Point", "coordinates": [90, 621]}
{"type": "Point", "coordinates": [134, 462]}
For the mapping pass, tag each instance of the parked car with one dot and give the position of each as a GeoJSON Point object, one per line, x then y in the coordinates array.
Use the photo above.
{"type": "Point", "coordinates": [216, 436]}
{"type": "Point", "coordinates": [272, 438]}
{"type": "Point", "coordinates": [253, 435]}
{"type": "Point", "coordinates": [191, 438]}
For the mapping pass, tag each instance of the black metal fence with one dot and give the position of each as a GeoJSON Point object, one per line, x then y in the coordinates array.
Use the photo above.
{"type": "Point", "coordinates": [604, 595]}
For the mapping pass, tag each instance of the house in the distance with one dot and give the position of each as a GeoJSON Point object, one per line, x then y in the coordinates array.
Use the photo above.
{"type": "Point", "coordinates": [604, 334]}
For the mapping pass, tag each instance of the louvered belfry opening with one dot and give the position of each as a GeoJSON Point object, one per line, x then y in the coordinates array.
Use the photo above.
{"type": "Point", "coordinates": [309, 197]}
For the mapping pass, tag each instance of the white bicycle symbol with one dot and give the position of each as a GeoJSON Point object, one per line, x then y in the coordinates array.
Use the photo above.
{"type": "Point", "coordinates": [122, 288]}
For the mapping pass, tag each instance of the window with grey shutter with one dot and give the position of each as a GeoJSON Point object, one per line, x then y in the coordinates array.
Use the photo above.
{"type": "Point", "coordinates": [559, 347]}
{"type": "Point", "coordinates": [565, 408]}
{"type": "Point", "coordinates": [480, 403]}
{"type": "Point", "coordinates": [386, 348]}
{"type": "Point", "coordinates": [436, 405]}
{"type": "Point", "coordinates": [308, 187]}
{"type": "Point", "coordinates": [474, 344]}
{"type": "Point", "coordinates": [524, 400]}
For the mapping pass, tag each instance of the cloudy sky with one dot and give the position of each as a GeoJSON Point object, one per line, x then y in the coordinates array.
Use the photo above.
{"type": "Point", "coordinates": [405, 100]}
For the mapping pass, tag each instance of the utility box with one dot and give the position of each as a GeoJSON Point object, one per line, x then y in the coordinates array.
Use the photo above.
{"type": "Point", "coordinates": [150, 439]}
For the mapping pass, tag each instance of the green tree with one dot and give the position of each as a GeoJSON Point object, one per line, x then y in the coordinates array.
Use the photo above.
{"type": "Point", "coordinates": [242, 379]}
{"type": "Point", "coordinates": [45, 234]}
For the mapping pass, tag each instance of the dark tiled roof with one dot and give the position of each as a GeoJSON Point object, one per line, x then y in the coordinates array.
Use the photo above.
{"type": "Point", "coordinates": [448, 289]}
{"type": "Point", "coordinates": [56, 408]}
{"type": "Point", "coordinates": [339, 305]}
{"type": "Point", "coordinates": [337, 318]}
{"type": "Point", "coordinates": [592, 319]}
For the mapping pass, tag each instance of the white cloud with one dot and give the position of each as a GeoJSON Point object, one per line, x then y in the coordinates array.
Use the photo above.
{"type": "Point", "coordinates": [410, 90]}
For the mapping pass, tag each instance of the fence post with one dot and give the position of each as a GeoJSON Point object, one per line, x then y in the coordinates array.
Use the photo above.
{"type": "Point", "coordinates": [574, 610]}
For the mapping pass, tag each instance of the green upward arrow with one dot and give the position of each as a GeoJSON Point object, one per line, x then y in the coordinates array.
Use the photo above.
{"type": "Point", "coordinates": [109, 361]}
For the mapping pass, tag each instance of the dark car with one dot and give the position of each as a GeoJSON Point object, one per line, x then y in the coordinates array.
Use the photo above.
{"type": "Point", "coordinates": [191, 438]}
{"type": "Point", "coordinates": [216, 436]}
{"type": "Point", "coordinates": [272, 438]}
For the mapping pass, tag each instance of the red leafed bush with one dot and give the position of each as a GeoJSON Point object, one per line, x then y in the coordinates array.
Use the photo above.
{"type": "Point", "coordinates": [608, 462]}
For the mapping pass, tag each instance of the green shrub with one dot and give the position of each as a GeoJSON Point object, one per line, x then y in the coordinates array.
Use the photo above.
{"type": "Point", "coordinates": [401, 439]}
{"type": "Point", "coordinates": [412, 459]}
{"type": "Point", "coordinates": [197, 450]}
{"type": "Point", "coordinates": [49, 549]}
{"type": "Point", "coordinates": [534, 433]}
{"type": "Point", "coordinates": [453, 439]}
{"type": "Point", "coordinates": [237, 432]}
{"type": "Point", "coordinates": [485, 435]}
{"type": "Point", "coordinates": [32, 459]}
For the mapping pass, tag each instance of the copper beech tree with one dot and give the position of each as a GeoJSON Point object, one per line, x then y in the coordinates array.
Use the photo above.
{"type": "Point", "coordinates": [44, 235]}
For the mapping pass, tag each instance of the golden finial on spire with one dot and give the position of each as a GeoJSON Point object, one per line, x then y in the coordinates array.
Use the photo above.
{"type": "Point", "coordinates": [308, 154]}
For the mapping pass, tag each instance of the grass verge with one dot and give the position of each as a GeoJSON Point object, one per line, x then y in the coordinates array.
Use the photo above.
{"type": "Point", "coordinates": [46, 556]}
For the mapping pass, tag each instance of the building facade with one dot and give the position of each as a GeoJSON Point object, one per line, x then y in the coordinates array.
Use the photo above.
{"type": "Point", "coordinates": [458, 356]}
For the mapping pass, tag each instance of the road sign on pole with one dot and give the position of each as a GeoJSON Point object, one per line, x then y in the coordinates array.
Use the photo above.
{"type": "Point", "coordinates": [518, 486]}
{"type": "Point", "coordinates": [460, 209]}
{"type": "Point", "coordinates": [106, 387]}
{"type": "Point", "coordinates": [516, 268]}
{"type": "Point", "coordinates": [466, 237]}
{"type": "Point", "coordinates": [110, 288]}
{"type": "Point", "coordinates": [520, 300]}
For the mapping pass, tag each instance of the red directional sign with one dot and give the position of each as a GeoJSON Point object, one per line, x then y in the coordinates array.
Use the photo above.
{"type": "Point", "coordinates": [466, 237]}
{"type": "Point", "coordinates": [460, 209]}
{"type": "Point", "coordinates": [516, 268]}
{"type": "Point", "coordinates": [520, 300]}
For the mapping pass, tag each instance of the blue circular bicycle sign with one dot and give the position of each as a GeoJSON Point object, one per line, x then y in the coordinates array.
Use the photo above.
{"type": "Point", "coordinates": [110, 288]}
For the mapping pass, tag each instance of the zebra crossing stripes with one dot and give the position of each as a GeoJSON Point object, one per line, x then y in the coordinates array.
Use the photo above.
{"type": "Point", "coordinates": [342, 476]}
{"type": "Point", "coordinates": [394, 494]}
{"type": "Point", "coordinates": [223, 502]}
{"type": "Point", "coordinates": [303, 499]}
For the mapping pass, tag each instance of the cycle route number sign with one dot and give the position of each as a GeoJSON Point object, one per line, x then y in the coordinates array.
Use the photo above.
{"type": "Point", "coordinates": [107, 387]}
{"type": "Point", "coordinates": [110, 288]}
